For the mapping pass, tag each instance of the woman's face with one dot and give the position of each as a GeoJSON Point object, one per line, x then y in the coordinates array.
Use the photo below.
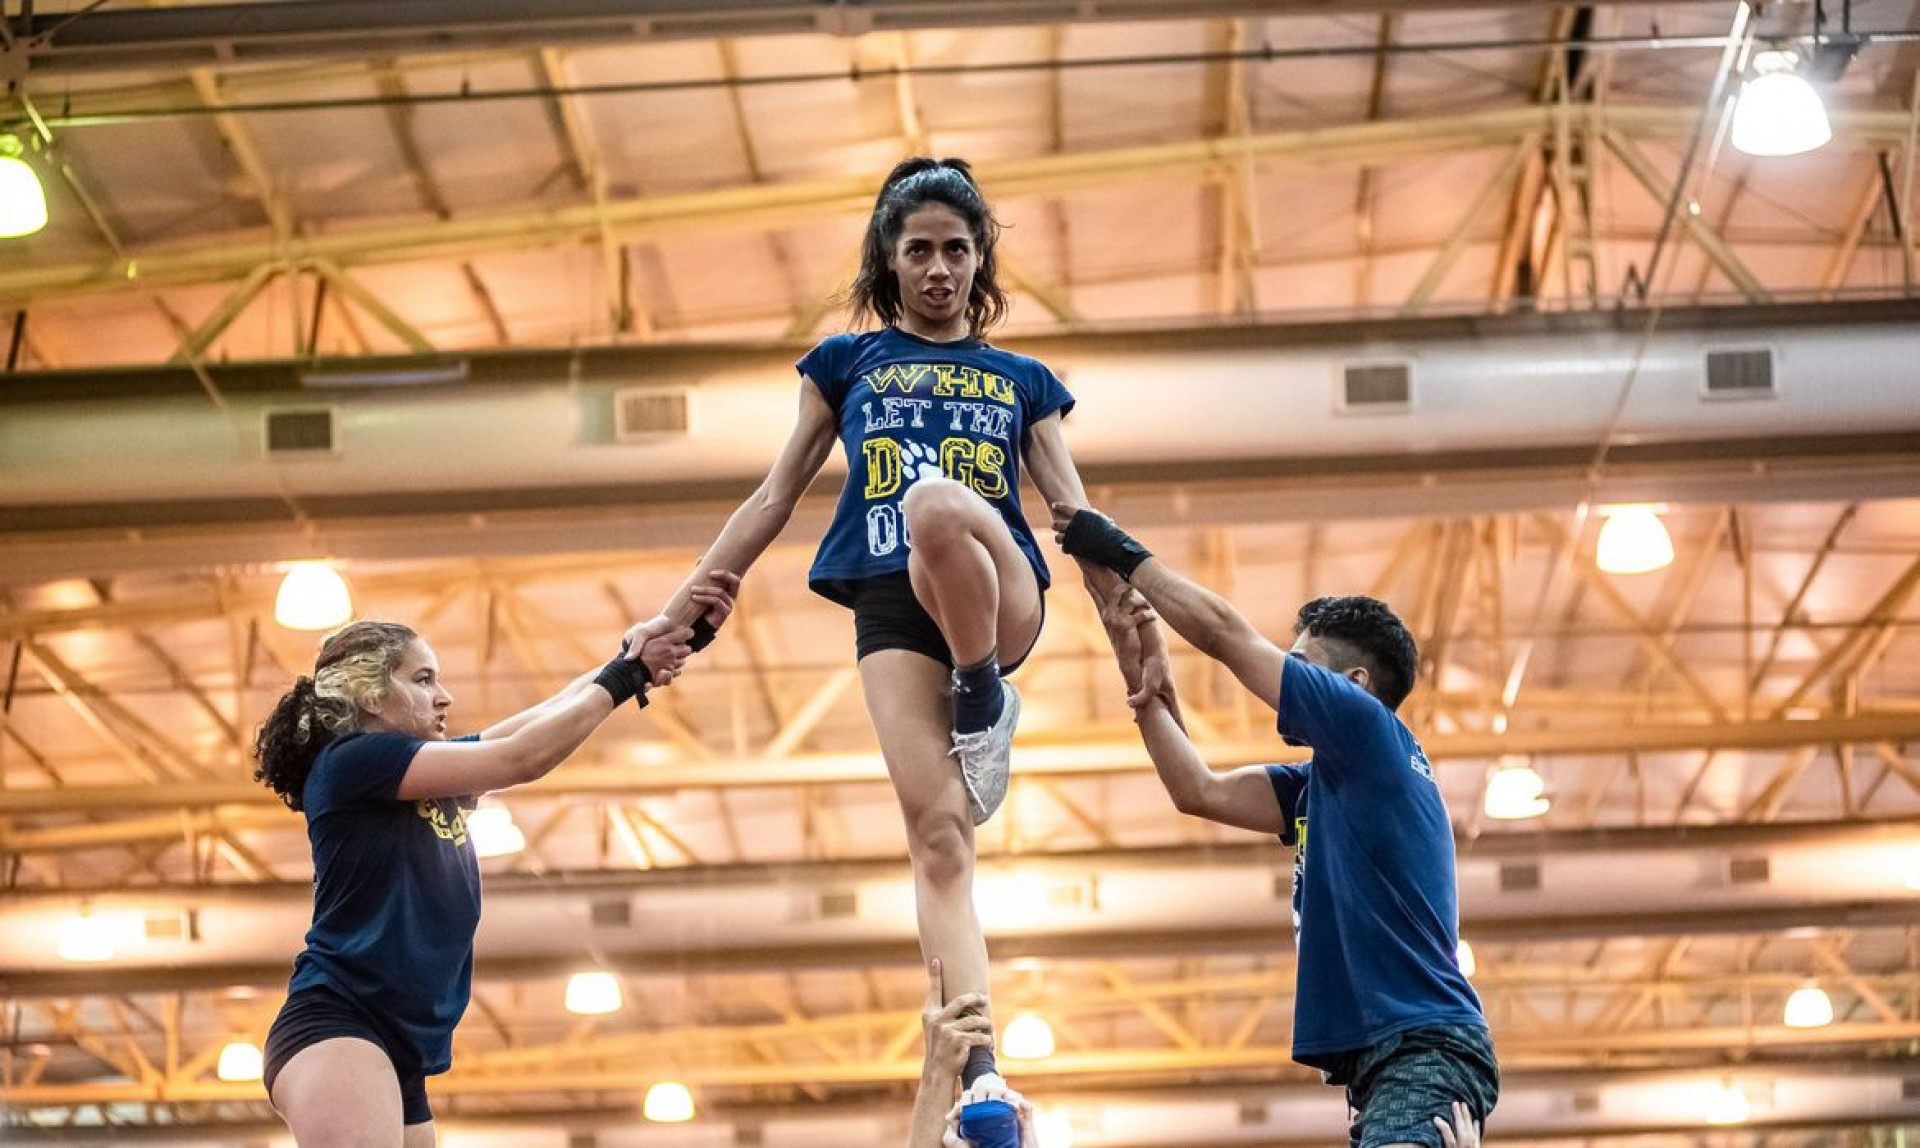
{"type": "Point", "coordinates": [934, 261]}
{"type": "Point", "coordinates": [416, 703]}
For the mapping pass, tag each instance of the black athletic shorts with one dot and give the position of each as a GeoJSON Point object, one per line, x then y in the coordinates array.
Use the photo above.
{"type": "Point", "coordinates": [1398, 1086]}
{"type": "Point", "coordinates": [319, 1013]}
{"type": "Point", "coordinates": [887, 615]}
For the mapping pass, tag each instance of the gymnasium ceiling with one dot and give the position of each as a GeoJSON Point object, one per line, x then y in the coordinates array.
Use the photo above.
{"type": "Point", "coordinates": [1727, 743]}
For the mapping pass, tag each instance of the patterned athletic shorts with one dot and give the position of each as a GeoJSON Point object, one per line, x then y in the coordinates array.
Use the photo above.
{"type": "Point", "coordinates": [1398, 1086]}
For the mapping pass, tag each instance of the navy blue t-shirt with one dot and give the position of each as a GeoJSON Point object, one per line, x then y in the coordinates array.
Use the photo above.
{"type": "Point", "coordinates": [396, 896]}
{"type": "Point", "coordinates": [1375, 908]}
{"type": "Point", "coordinates": [910, 408]}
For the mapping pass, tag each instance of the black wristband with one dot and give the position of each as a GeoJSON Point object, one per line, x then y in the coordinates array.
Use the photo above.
{"type": "Point", "coordinates": [623, 680]}
{"type": "Point", "coordinates": [704, 632]}
{"type": "Point", "coordinates": [1094, 537]}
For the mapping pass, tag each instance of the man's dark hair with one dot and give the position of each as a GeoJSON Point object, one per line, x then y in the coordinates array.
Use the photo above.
{"type": "Point", "coordinates": [1362, 631]}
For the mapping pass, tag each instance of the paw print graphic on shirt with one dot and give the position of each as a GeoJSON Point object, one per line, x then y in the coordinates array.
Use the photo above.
{"type": "Point", "coordinates": [919, 461]}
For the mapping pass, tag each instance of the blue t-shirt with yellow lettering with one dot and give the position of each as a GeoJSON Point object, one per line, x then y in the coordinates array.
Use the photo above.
{"type": "Point", "coordinates": [396, 896]}
{"type": "Point", "coordinates": [1375, 907]}
{"type": "Point", "coordinates": [909, 408]}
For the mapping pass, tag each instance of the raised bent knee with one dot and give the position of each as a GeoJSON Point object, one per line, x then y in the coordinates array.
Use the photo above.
{"type": "Point", "coordinates": [935, 510]}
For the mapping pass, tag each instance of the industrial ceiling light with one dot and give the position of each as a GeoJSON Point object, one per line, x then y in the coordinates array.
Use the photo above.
{"type": "Point", "coordinates": [1028, 1037]}
{"type": "Point", "coordinates": [1727, 1105]}
{"type": "Point", "coordinates": [1779, 112]}
{"type": "Point", "coordinates": [668, 1102]}
{"type": "Point", "coordinates": [593, 994]}
{"type": "Point", "coordinates": [313, 596]}
{"type": "Point", "coordinates": [1633, 540]}
{"type": "Point", "coordinates": [1809, 1007]}
{"type": "Point", "coordinates": [1515, 792]}
{"type": "Point", "coordinates": [23, 202]}
{"type": "Point", "coordinates": [493, 831]}
{"type": "Point", "coordinates": [86, 940]}
{"type": "Point", "coordinates": [1463, 956]}
{"type": "Point", "coordinates": [240, 1060]}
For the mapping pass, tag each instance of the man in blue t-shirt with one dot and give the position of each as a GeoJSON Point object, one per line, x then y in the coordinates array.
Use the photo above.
{"type": "Point", "coordinates": [1380, 1003]}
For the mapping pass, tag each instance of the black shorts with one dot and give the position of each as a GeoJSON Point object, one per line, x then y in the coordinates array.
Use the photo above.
{"type": "Point", "coordinates": [319, 1013]}
{"type": "Point", "coordinates": [1398, 1086]}
{"type": "Point", "coordinates": [887, 615]}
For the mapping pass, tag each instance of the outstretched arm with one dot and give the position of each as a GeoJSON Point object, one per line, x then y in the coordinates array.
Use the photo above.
{"type": "Point", "coordinates": [535, 745]}
{"type": "Point", "coordinates": [1053, 472]}
{"type": "Point", "coordinates": [765, 513]}
{"type": "Point", "coordinates": [1242, 798]}
{"type": "Point", "coordinates": [1205, 619]}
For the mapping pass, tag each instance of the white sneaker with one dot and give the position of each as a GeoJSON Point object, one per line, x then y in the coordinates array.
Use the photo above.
{"type": "Point", "coordinates": [986, 758]}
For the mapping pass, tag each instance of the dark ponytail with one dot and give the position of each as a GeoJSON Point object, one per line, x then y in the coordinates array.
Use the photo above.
{"type": "Point", "coordinates": [288, 741]}
{"type": "Point", "coordinates": [911, 185]}
{"type": "Point", "coordinates": [350, 675]}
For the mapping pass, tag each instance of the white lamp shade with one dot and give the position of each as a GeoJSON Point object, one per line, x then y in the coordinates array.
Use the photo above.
{"type": "Point", "coordinates": [313, 596]}
{"type": "Point", "coordinates": [86, 940]}
{"type": "Point", "coordinates": [1633, 540]}
{"type": "Point", "coordinates": [593, 994]}
{"type": "Point", "coordinates": [1779, 112]}
{"type": "Point", "coordinates": [23, 202]}
{"type": "Point", "coordinates": [1727, 1105]}
{"type": "Point", "coordinates": [668, 1102]}
{"type": "Point", "coordinates": [1463, 956]}
{"type": "Point", "coordinates": [1515, 793]}
{"type": "Point", "coordinates": [1809, 1007]}
{"type": "Point", "coordinates": [1028, 1037]}
{"type": "Point", "coordinates": [493, 831]}
{"type": "Point", "coordinates": [240, 1060]}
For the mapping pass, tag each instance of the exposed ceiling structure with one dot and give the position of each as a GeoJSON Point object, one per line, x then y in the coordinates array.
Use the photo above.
{"type": "Point", "coordinates": [522, 210]}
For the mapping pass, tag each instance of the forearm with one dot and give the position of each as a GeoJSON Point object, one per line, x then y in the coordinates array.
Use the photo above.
{"type": "Point", "coordinates": [746, 536]}
{"type": "Point", "coordinates": [507, 726]}
{"type": "Point", "coordinates": [549, 737]}
{"type": "Point", "coordinates": [1177, 763]}
{"type": "Point", "coordinates": [1207, 621]}
{"type": "Point", "coordinates": [930, 1105]}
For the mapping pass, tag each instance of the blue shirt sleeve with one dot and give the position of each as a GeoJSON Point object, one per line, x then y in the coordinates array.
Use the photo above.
{"type": "Point", "coordinates": [1289, 788]}
{"type": "Point", "coordinates": [364, 769]}
{"type": "Point", "coordinates": [1045, 394]}
{"type": "Point", "coordinates": [825, 365]}
{"type": "Point", "coordinates": [1324, 710]}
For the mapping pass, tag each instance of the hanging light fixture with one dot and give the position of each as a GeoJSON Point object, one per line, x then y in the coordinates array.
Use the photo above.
{"type": "Point", "coordinates": [1463, 956]}
{"type": "Point", "coordinates": [313, 596]}
{"type": "Point", "coordinates": [668, 1102]}
{"type": "Point", "coordinates": [1028, 1037]}
{"type": "Point", "coordinates": [593, 994]}
{"type": "Point", "coordinates": [86, 940]}
{"type": "Point", "coordinates": [1809, 1007]}
{"type": "Point", "coordinates": [240, 1060]}
{"type": "Point", "coordinates": [23, 202]}
{"type": "Point", "coordinates": [1727, 1105]}
{"type": "Point", "coordinates": [493, 831]}
{"type": "Point", "coordinates": [1633, 540]}
{"type": "Point", "coordinates": [1779, 112]}
{"type": "Point", "coordinates": [1516, 791]}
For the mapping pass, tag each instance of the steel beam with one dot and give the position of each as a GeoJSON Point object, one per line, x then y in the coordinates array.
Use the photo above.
{"type": "Point", "coordinates": [1080, 759]}
{"type": "Point", "coordinates": [218, 259]}
{"type": "Point", "coordinates": [219, 35]}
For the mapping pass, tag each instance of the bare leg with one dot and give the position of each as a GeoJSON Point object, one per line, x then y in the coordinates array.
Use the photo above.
{"type": "Point", "coordinates": [969, 573]}
{"type": "Point", "coordinates": [420, 1136]}
{"type": "Point", "coordinates": [342, 1093]}
{"type": "Point", "coordinates": [906, 698]}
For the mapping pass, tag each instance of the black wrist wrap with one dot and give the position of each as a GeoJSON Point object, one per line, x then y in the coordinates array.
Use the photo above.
{"type": "Point", "coordinates": [623, 679]}
{"type": "Point", "coordinates": [1094, 537]}
{"type": "Point", "coordinates": [704, 633]}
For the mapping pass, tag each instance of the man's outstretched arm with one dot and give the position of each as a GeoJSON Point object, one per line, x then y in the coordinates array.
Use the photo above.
{"type": "Point", "coordinates": [1207, 621]}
